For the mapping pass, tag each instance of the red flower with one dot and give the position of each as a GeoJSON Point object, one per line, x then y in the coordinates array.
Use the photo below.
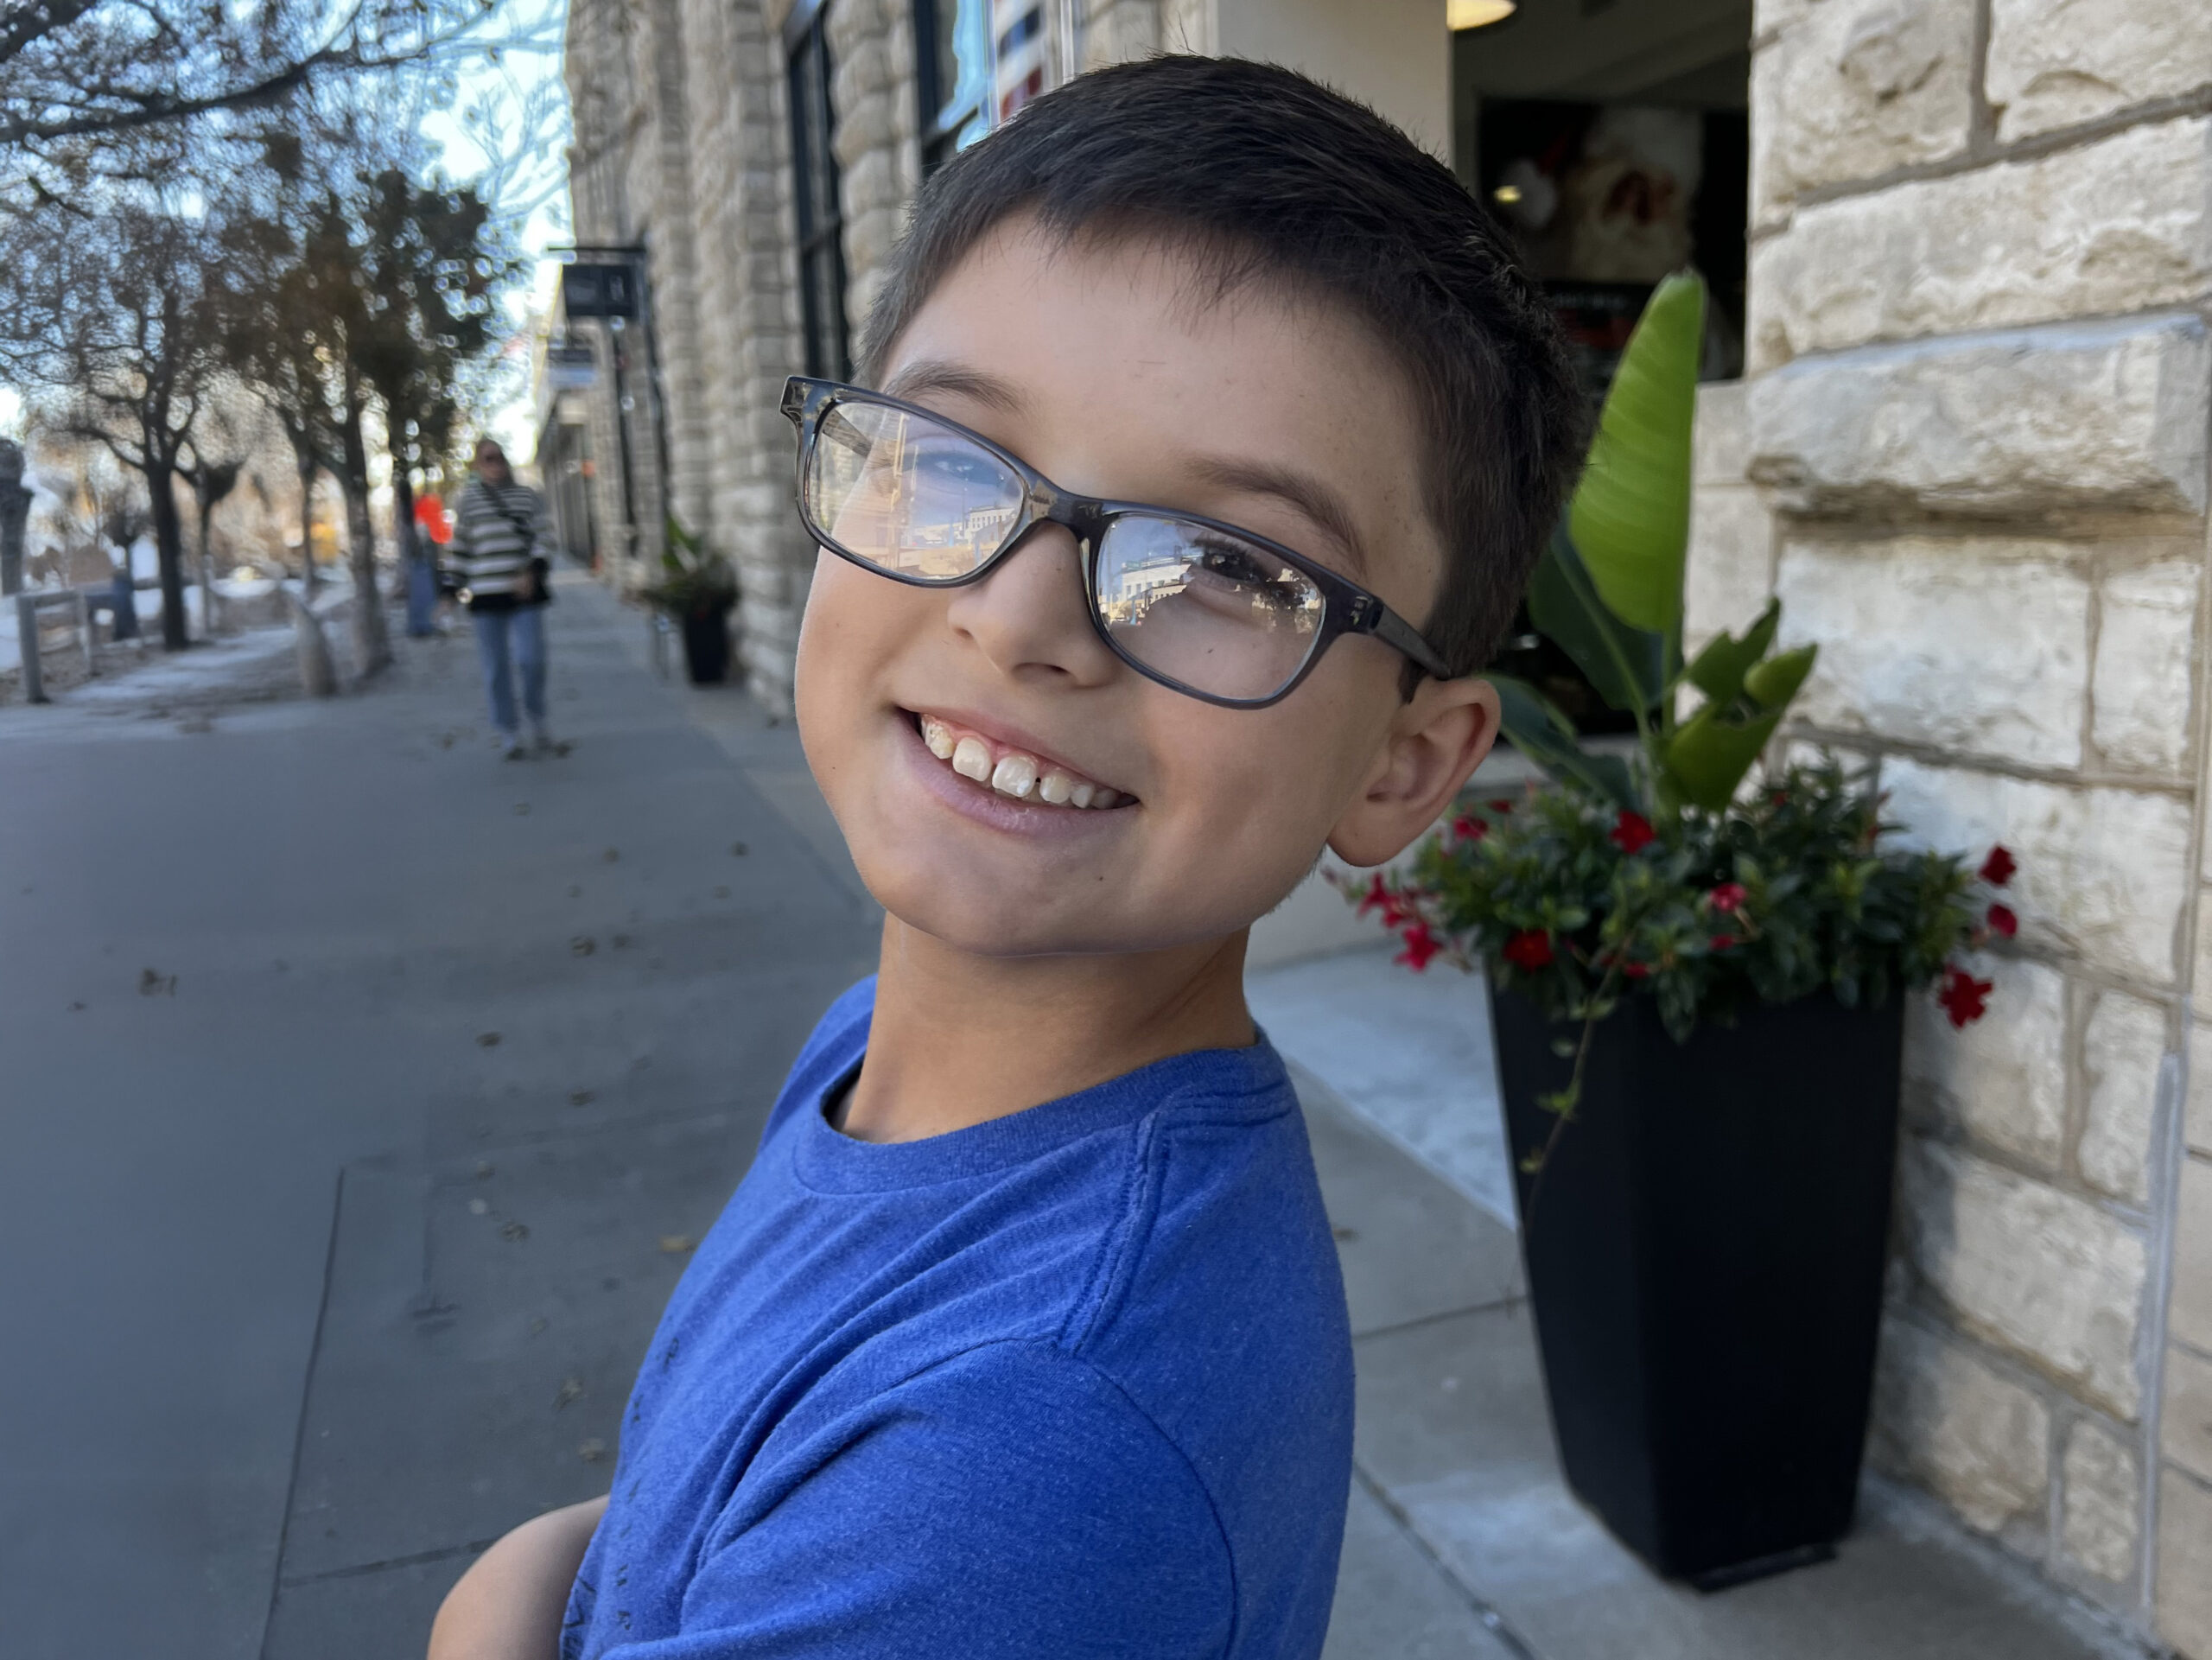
{"type": "Point", "coordinates": [1529, 949]}
{"type": "Point", "coordinates": [1421, 945]}
{"type": "Point", "coordinates": [1468, 827]}
{"type": "Point", "coordinates": [1376, 894]}
{"type": "Point", "coordinates": [2002, 921]}
{"type": "Point", "coordinates": [1997, 869]}
{"type": "Point", "coordinates": [1636, 970]}
{"type": "Point", "coordinates": [1728, 898]}
{"type": "Point", "coordinates": [1964, 998]}
{"type": "Point", "coordinates": [1721, 942]}
{"type": "Point", "coordinates": [1500, 806]}
{"type": "Point", "coordinates": [1631, 832]}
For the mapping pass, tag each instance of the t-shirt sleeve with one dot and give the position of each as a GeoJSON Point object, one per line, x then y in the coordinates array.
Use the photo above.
{"type": "Point", "coordinates": [1012, 1502]}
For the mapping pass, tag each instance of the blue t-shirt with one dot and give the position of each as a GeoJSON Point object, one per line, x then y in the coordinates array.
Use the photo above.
{"type": "Point", "coordinates": [1074, 1382]}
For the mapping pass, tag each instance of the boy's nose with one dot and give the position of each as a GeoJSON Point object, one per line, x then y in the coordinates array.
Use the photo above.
{"type": "Point", "coordinates": [1029, 617]}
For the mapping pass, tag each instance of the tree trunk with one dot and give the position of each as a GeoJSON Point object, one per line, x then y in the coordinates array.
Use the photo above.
{"type": "Point", "coordinates": [168, 546]}
{"type": "Point", "coordinates": [372, 636]}
{"type": "Point", "coordinates": [206, 559]}
{"type": "Point", "coordinates": [303, 457]}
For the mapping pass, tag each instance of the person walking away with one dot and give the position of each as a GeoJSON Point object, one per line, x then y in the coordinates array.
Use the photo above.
{"type": "Point", "coordinates": [499, 523]}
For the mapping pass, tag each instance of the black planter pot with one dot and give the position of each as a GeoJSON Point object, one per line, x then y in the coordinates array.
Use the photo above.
{"type": "Point", "coordinates": [706, 646]}
{"type": "Point", "coordinates": [1705, 1252]}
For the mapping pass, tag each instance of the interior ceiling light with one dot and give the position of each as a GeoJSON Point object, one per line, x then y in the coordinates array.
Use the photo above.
{"type": "Point", "coordinates": [1478, 14]}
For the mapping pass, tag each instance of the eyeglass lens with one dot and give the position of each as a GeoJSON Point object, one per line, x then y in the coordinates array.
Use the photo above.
{"type": "Point", "coordinates": [1209, 610]}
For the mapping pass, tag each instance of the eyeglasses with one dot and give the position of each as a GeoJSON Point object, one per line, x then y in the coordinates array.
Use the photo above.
{"type": "Point", "coordinates": [1197, 605]}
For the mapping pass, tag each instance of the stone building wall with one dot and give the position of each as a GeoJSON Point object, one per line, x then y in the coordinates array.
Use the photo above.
{"type": "Point", "coordinates": [1970, 455]}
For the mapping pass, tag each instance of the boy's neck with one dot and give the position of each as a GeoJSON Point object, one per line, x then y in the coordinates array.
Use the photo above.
{"type": "Point", "coordinates": [957, 1039]}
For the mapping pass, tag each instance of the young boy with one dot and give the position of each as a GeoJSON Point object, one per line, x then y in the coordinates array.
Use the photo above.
{"type": "Point", "coordinates": [1198, 390]}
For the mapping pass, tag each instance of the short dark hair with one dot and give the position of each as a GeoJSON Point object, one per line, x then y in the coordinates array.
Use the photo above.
{"type": "Point", "coordinates": [1271, 177]}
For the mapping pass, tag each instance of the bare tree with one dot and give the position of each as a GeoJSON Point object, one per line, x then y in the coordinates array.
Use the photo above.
{"type": "Point", "coordinates": [124, 331]}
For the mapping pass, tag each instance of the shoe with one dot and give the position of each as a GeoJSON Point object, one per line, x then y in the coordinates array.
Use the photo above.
{"type": "Point", "coordinates": [511, 748]}
{"type": "Point", "coordinates": [542, 742]}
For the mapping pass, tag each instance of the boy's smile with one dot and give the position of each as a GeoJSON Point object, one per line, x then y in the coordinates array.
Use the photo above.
{"type": "Point", "coordinates": [1006, 784]}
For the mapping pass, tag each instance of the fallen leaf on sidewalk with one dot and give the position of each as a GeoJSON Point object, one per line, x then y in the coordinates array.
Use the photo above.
{"type": "Point", "coordinates": [621, 942]}
{"type": "Point", "coordinates": [1347, 1235]}
{"type": "Point", "coordinates": [675, 1244]}
{"type": "Point", "coordinates": [593, 1450]}
{"type": "Point", "coordinates": [488, 1040]}
{"type": "Point", "coordinates": [582, 945]}
{"type": "Point", "coordinates": [153, 983]}
{"type": "Point", "coordinates": [571, 1390]}
{"type": "Point", "coordinates": [738, 849]}
{"type": "Point", "coordinates": [581, 1097]}
{"type": "Point", "coordinates": [483, 1169]}
{"type": "Point", "coordinates": [516, 1231]}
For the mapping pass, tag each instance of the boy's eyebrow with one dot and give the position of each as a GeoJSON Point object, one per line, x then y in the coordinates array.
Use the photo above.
{"type": "Point", "coordinates": [936, 375]}
{"type": "Point", "coordinates": [1302, 491]}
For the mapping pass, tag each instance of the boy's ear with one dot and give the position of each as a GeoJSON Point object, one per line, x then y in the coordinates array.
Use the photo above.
{"type": "Point", "coordinates": [1435, 740]}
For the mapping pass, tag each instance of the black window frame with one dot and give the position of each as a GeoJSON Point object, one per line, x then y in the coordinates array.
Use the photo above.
{"type": "Point", "coordinates": [820, 219]}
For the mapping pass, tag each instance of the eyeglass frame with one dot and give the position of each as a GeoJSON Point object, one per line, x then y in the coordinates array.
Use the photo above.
{"type": "Point", "coordinates": [1346, 608]}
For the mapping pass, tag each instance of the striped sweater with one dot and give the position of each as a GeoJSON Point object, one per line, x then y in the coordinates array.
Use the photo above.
{"type": "Point", "coordinates": [490, 549]}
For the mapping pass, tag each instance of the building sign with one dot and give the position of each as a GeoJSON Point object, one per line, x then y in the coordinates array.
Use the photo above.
{"type": "Point", "coordinates": [570, 368]}
{"type": "Point", "coordinates": [599, 290]}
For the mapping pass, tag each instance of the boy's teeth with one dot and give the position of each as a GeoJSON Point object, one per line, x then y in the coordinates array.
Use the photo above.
{"type": "Point", "coordinates": [971, 758]}
{"type": "Point", "coordinates": [1014, 775]}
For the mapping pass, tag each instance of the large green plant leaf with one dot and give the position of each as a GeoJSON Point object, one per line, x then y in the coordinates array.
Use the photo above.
{"type": "Point", "coordinates": [1627, 665]}
{"type": "Point", "coordinates": [1708, 757]}
{"type": "Point", "coordinates": [1719, 669]}
{"type": "Point", "coordinates": [1630, 515]}
{"type": "Point", "coordinates": [1542, 733]}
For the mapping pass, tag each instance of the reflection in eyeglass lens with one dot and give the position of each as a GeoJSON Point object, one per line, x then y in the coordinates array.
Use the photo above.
{"type": "Point", "coordinates": [904, 493]}
{"type": "Point", "coordinates": [1216, 613]}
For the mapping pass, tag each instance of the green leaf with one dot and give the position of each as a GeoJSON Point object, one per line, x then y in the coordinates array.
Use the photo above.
{"type": "Point", "coordinates": [1772, 683]}
{"type": "Point", "coordinates": [1719, 669]}
{"type": "Point", "coordinates": [1626, 666]}
{"type": "Point", "coordinates": [1547, 737]}
{"type": "Point", "coordinates": [1715, 748]}
{"type": "Point", "coordinates": [1630, 514]}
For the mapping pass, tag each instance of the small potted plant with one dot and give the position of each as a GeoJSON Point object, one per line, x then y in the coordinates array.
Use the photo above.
{"type": "Point", "coordinates": [1697, 982]}
{"type": "Point", "coordinates": [697, 588]}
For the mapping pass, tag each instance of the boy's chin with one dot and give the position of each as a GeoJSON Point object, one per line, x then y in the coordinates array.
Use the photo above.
{"type": "Point", "coordinates": [1006, 928]}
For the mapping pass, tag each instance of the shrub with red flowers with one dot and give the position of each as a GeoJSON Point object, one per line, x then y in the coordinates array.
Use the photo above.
{"type": "Point", "coordinates": [1795, 887]}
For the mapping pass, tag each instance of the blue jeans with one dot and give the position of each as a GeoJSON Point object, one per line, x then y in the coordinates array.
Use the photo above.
{"type": "Point", "coordinates": [520, 634]}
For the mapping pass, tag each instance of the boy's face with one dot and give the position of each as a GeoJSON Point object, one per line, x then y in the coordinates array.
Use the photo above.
{"type": "Point", "coordinates": [1101, 364]}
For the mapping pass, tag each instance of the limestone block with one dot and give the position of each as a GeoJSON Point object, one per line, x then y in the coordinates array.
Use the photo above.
{"type": "Point", "coordinates": [2185, 1565]}
{"type": "Point", "coordinates": [1730, 568]}
{"type": "Point", "coordinates": [2029, 1267]}
{"type": "Point", "coordinates": [2091, 417]}
{"type": "Point", "coordinates": [2053, 63]}
{"type": "Point", "coordinates": [1856, 88]}
{"type": "Point", "coordinates": [2118, 226]}
{"type": "Point", "coordinates": [1977, 647]}
{"type": "Point", "coordinates": [2123, 1042]}
{"type": "Point", "coordinates": [2146, 635]}
{"type": "Point", "coordinates": [2186, 1419]}
{"type": "Point", "coordinates": [1720, 435]}
{"type": "Point", "coordinates": [2002, 1081]}
{"type": "Point", "coordinates": [2100, 1502]}
{"type": "Point", "coordinates": [1944, 1419]}
{"type": "Point", "coordinates": [2103, 872]}
{"type": "Point", "coordinates": [2188, 1318]}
